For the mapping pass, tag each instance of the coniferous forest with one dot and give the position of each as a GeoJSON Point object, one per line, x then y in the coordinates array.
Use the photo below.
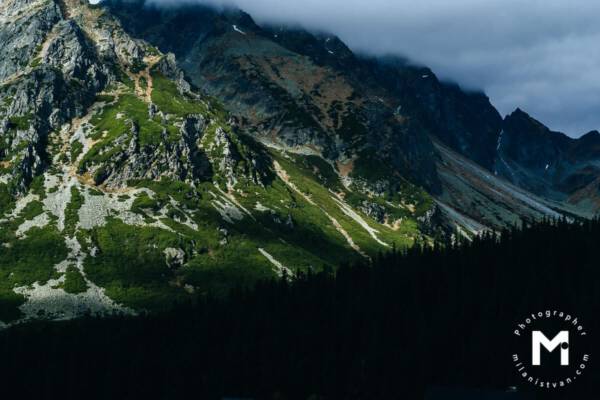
{"type": "Point", "coordinates": [405, 326]}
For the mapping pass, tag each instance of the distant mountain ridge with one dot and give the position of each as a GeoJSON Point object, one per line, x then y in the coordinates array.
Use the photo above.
{"type": "Point", "coordinates": [549, 163]}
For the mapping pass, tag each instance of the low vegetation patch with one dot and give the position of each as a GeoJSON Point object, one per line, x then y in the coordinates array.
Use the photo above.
{"type": "Point", "coordinates": [26, 261]}
{"type": "Point", "coordinates": [74, 281]}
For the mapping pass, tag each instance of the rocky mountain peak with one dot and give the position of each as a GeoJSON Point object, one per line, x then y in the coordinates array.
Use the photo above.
{"type": "Point", "coordinates": [591, 136]}
{"type": "Point", "coordinates": [519, 120]}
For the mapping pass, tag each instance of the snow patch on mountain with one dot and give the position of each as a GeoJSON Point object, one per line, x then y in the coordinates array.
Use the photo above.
{"type": "Point", "coordinates": [238, 30]}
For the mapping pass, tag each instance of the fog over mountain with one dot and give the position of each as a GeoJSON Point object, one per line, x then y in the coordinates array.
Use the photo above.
{"type": "Point", "coordinates": [541, 56]}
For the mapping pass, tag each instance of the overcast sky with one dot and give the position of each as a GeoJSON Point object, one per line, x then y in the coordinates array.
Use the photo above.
{"type": "Point", "coordinates": [540, 55]}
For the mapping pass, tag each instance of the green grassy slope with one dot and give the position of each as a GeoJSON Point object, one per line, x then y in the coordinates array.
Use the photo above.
{"type": "Point", "coordinates": [146, 243]}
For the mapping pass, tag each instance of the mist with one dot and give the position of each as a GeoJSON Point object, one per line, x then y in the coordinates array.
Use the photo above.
{"type": "Point", "coordinates": [542, 56]}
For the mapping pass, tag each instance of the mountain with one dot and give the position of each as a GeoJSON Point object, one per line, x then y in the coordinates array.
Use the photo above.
{"type": "Point", "coordinates": [123, 188]}
{"type": "Point", "coordinates": [549, 163]}
{"type": "Point", "coordinates": [150, 156]}
{"type": "Point", "coordinates": [379, 121]}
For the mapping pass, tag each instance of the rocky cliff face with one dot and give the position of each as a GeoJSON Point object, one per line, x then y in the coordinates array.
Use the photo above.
{"type": "Point", "coordinates": [25, 25]}
{"type": "Point", "coordinates": [464, 121]}
{"type": "Point", "coordinates": [51, 76]}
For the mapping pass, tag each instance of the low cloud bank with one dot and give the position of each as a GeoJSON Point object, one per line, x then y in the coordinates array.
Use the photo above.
{"type": "Point", "coordinates": [540, 55]}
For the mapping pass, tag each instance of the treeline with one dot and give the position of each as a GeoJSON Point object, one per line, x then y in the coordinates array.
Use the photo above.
{"type": "Point", "coordinates": [396, 328]}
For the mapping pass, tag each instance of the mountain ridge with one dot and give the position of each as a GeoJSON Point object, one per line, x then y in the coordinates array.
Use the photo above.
{"type": "Point", "coordinates": [549, 163]}
{"type": "Point", "coordinates": [258, 78]}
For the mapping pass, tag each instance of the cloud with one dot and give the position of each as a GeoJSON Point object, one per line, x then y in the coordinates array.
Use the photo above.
{"type": "Point", "coordinates": [540, 55]}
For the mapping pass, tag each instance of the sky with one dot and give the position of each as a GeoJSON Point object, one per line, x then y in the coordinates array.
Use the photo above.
{"type": "Point", "coordinates": [540, 55]}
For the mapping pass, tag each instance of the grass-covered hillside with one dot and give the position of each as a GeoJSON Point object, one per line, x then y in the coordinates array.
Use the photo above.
{"type": "Point", "coordinates": [150, 194]}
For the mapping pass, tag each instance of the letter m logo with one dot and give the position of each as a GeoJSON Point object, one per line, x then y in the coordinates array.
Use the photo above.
{"type": "Point", "coordinates": [538, 340]}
